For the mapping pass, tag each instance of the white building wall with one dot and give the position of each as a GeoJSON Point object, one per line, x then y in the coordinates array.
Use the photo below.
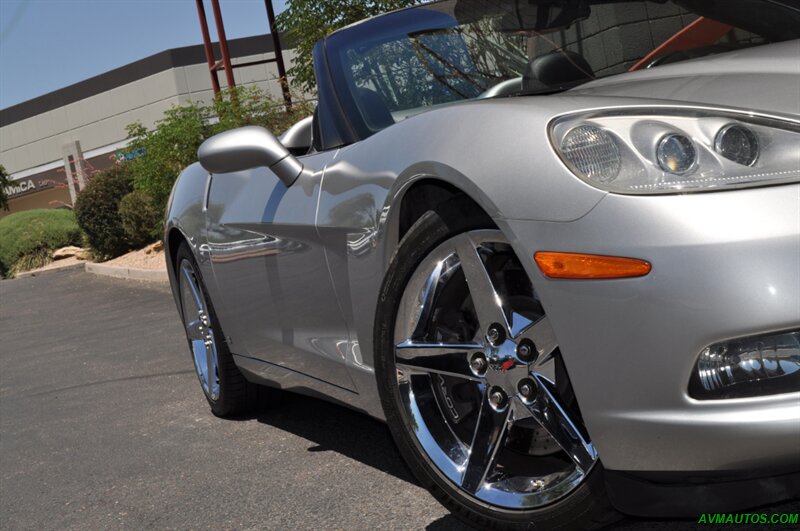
{"type": "Point", "coordinates": [101, 120]}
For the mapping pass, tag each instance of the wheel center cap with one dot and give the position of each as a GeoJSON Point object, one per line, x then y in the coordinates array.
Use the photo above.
{"type": "Point", "coordinates": [504, 368]}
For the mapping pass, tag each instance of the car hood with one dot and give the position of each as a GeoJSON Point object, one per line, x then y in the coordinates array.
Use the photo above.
{"type": "Point", "coordinates": [764, 78]}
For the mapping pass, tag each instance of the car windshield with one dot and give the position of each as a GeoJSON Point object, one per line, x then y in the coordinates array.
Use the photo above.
{"type": "Point", "coordinates": [408, 61]}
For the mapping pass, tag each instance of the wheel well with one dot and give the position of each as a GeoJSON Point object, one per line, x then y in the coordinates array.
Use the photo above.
{"type": "Point", "coordinates": [432, 194]}
{"type": "Point", "coordinates": [174, 240]}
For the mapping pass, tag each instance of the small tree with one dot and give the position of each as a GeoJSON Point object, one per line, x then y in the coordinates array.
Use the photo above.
{"type": "Point", "coordinates": [4, 181]}
{"type": "Point", "coordinates": [306, 21]}
{"type": "Point", "coordinates": [251, 106]}
{"type": "Point", "coordinates": [163, 152]}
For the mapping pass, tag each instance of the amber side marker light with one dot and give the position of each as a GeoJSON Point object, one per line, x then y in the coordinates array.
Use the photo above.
{"type": "Point", "coordinates": [589, 266]}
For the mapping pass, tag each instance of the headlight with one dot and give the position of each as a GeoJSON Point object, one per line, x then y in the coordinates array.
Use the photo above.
{"type": "Point", "coordinates": [676, 154]}
{"type": "Point", "coordinates": [674, 150]}
{"type": "Point", "coordinates": [593, 152]}
{"type": "Point", "coordinates": [737, 143]}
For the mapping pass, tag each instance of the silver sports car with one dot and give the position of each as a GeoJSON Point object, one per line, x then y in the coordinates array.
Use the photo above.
{"type": "Point", "coordinates": [554, 244]}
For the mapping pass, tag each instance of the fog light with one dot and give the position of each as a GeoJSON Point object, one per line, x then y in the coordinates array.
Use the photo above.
{"type": "Point", "coordinates": [750, 366]}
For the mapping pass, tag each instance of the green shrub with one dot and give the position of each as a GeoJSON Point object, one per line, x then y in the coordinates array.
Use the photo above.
{"type": "Point", "coordinates": [31, 236]}
{"type": "Point", "coordinates": [141, 220]}
{"type": "Point", "coordinates": [97, 211]}
{"type": "Point", "coordinates": [164, 151]}
{"type": "Point", "coordinates": [38, 257]}
{"type": "Point", "coordinates": [242, 106]}
{"type": "Point", "coordinates": [161, 153]}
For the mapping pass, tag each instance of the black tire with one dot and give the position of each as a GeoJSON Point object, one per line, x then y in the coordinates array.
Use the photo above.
{"type": "Point", "coordinates": [586, 507]}
{"type": "Point", "coordinates": [236, 394]}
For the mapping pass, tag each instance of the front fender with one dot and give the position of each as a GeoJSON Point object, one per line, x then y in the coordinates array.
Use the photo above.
{"type": "Point", "coordinates": [186, 219]}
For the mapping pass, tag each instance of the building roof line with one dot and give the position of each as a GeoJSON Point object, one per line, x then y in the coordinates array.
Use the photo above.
{"type": "Point", "coordinates": [172, 58]}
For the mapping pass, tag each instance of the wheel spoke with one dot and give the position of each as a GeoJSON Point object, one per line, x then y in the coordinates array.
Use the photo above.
{"type": "Point", "coordinates": [199, 353]}
{"type": "Point", "coordinates": [191, 284]}
{"type": "Point", "coordinates": [450, 360]}
{"type": "Point", "coordinates": [487, 302]}
{"type": "Point", "coordinates": [543, 338]}
{"type": "Point", "coordinates": [211, 368]}
{"type": "Point", "coordinates": [195, 330]}
{"type": "Point", "coordinates": [426, 299]}
{"type": "Point", "coordinates": [549, 413]}
{"type": "Point", "coordinates": [198, 329]}
{"type": "Point", "coordinates": [487, 439]}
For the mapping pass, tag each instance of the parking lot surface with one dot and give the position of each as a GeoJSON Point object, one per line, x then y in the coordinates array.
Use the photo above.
{"type": "Point", "coordinates": [103, 426]}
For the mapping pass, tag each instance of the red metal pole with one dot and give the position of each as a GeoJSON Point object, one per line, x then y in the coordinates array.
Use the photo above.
{"type": "Point", "coordinates": [201, 12]}
{"type": "Point", "coordinates": [276, 46]}
{"type": "Point", "coordinates": [223, 44]}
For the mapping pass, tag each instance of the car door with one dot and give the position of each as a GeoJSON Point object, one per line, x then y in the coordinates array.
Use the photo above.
{"type": "Point", "coordinates": [275, 298]}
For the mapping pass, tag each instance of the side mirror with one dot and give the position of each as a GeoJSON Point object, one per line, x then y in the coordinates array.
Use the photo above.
{"type": "Point", "coordinates": [246, 148]}
{"type": "Point", "coordinates": [298, 138]}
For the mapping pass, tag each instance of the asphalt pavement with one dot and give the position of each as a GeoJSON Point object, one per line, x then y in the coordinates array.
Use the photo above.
{"type": "Point", "coordinates": [103, 426]}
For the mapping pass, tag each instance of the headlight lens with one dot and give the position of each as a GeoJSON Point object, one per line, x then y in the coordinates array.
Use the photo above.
{"type": "Point", "coordinates": [737, 143]}
{"type": "Point", "coordinates": [750, 366]}
{"type": "Point", "coordinates": [593, 152]}
{"type": "Point", "coordinates": [674, 150]}
{"type": "Point", "coordinates": [676, 154]}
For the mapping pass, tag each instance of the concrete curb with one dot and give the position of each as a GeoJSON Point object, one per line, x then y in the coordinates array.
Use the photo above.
{"type": "Point", "coordinates": [54, 269]}
{"type": "Point", "coordinates": [148, 275]}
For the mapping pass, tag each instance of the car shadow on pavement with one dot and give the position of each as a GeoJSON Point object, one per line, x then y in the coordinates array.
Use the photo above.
{"type": "Point", "coordinates": [333, 428]}
{"type": "Point", "coordinates": [447, 523]}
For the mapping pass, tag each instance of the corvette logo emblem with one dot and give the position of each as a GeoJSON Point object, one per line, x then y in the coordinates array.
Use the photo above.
{"type": "Point", "coordinates": [502, 364]}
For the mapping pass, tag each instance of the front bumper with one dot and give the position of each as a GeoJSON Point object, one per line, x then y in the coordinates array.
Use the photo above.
{"type": "Point", "coordinates": [725, 265]}
{"type": "Point", "coordinates": [687, 495]}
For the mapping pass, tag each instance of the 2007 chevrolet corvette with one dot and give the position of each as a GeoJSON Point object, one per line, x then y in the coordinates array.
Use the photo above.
{"type": "Point", "coordinates": [554, 244]}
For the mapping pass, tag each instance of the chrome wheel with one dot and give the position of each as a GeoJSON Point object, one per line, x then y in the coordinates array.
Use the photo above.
{"type": "Point", "coordinates": [198, 329]}
{"type": "Point", "coordinates": [477, 370]}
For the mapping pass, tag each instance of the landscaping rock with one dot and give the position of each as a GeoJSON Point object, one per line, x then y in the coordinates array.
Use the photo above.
{"type": "Point", "coordinates": [68, 252]}
{"type": "Point", "coordinates": [84, 254]}
{"type": "Point", "coordinates": [154, 247]}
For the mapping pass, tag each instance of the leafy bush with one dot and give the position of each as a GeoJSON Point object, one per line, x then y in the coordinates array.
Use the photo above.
{"type": "Point", "coordinates": [141, 220]}
{"type": "Point", "coordinates": [164, 151]}
{"type": "Point", "coordinates": [167, 149]}
{"type": "Point", "coordinates": [97, 211]}
{"type": "Point", "coordinates": [242, 106]}
{"type": "Point", "coordinates": [28, 239]}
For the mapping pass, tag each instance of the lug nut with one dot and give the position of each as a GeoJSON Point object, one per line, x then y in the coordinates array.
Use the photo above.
{"type": "Point", "coordinates": [497, 398]}
{"type": "Point", "coordinates": [527, 389]}
{"type": "Point", "coordinates": [495, 334]}
{"type": "Point", "coordinates": [526, 351]}
{"type": "Point", "coordinates": [478, 364]}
